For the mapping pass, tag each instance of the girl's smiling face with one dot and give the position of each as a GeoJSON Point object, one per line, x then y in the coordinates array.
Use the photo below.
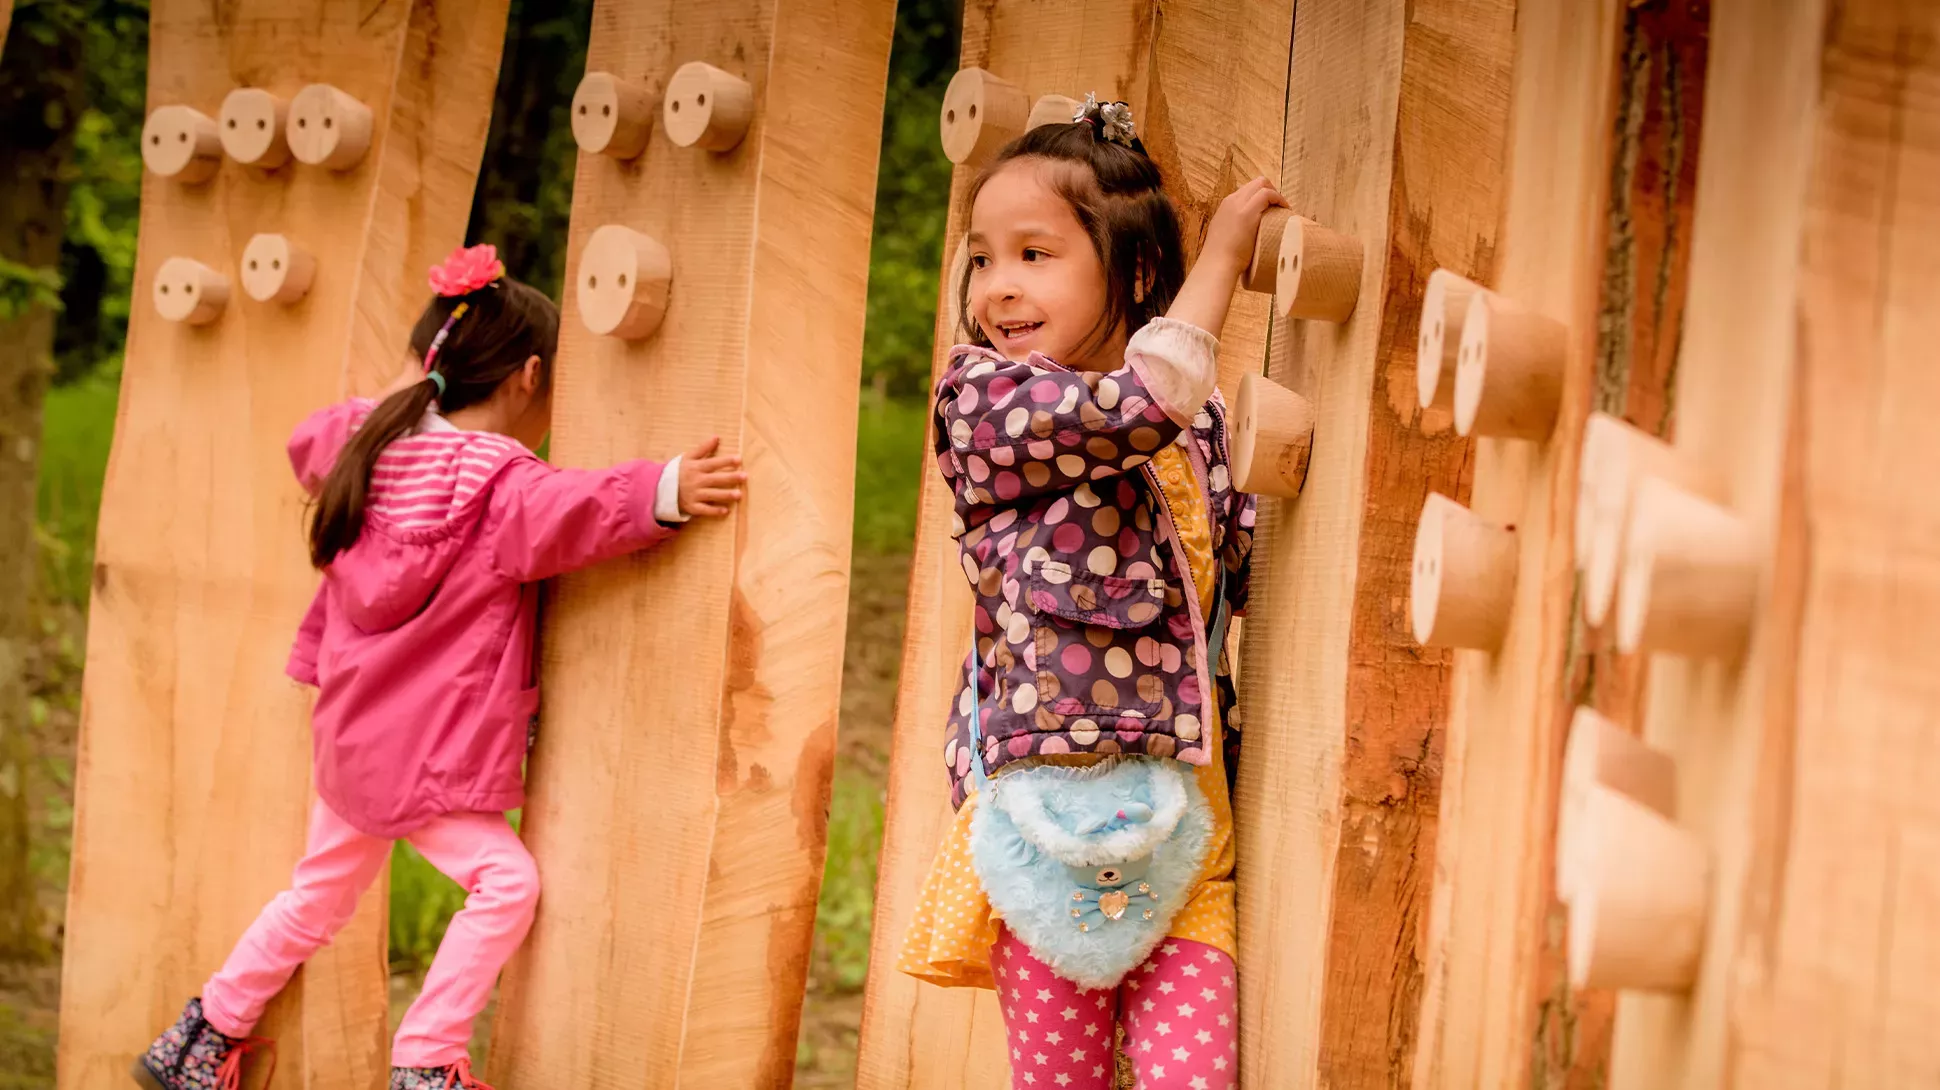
{"type": "Point", "coordinates": [1036, 283]}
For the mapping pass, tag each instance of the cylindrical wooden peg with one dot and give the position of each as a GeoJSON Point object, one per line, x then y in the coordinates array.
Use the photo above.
{"type": "Point", "coordinates": [1690, 576]}
{"type": "Point", "coordinates": [708, 107]}
{"type": "Point", "coordinates": [1637, 920]}
{"type": "Point", "coordinates": [1052, 110]}
{"type": "Point", "coordinates": [1273, 435]}
{"type": "Point", "coordinates": [612, 116]}
{"type": "Point", "coordinates": [1508, 370]}
{"type": "Point", "coordinates": [1444, 307]}
{"type": "Point", "coordinates": [1625, 456]}
{"type": "Point", "coordinates": [1262, 273]}
{"type": "Point", "coordinates": [981, 114]}
{"type": "Point", "coordinates": [253, 123]}
{"type": "Point", "coordinates": [328, 128]}
{"type": "Point", "coordinates": [1601, 754]}
{"type": "Point", "coordinates": [1464, 577]}
{"type": "Point", "coordinates": [1318, 274]}
{"type": "Point", "coordinates": [186, 290]}
{"type": "Point", "coordinates": [182, 143]}
{"type": "Point", "coordinates": [276, 269]}
{"type": "Point", "coordinates": [623, 283]}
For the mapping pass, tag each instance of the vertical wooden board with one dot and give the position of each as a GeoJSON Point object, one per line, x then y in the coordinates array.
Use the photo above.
{"type": "Point", "coordinates": [1490, 923]}
{"type": "Point", "coordinates": [193, 771]}
{"type": "Point", "coordinates": [679, 791]}
{"type": "Point", "coordinates": [1206, 83]}
{"type": "Point", "coordinates": [6, 21]}
{"type": "Point", "coordinates": [1396, 121]}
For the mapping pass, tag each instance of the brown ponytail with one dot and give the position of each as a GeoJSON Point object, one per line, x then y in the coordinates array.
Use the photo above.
{"type": "Point", "coordinates": [505, 324]}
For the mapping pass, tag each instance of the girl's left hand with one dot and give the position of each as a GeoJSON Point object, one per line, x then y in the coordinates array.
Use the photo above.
{"type": "Point", "coordinates": [1235, 228]}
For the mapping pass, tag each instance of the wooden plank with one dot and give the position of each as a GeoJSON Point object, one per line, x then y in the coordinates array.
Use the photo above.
{"type": "Point", "coordinates": [6, 21]}
{"type": "Point", "coordinates": [193, 772]}
{"type": "Point", "coordinates": [1807, 356]}
{"type": "Point", "coordinates": [1206, 83]}
{"type": "Point", "coordinates": [1487, 958]}
{"type": "Point", "coordinates": [680, 786]}
{"type": "Point", "coordinates": [1396, 122]}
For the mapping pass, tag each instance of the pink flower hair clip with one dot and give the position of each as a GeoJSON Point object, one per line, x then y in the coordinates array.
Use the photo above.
{"type": "Point", "coordinates": [467, 270]}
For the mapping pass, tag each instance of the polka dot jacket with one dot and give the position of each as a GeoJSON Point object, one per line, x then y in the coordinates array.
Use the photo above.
{"type": "Point", "coordinates": [1087, 641]}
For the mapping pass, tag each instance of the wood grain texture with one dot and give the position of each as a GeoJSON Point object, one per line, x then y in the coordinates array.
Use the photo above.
{"type": "Point", "coordinates": [679, 790]}
{"type": "Point", "coordinates": [1396, 125]}
{"type": "Point", "coordinates": [1489, 953]}
{"type": "Point", "coordinates": [6, 21]}
{"type": "Point", "coordinates": [194, 771]}
{"type": "Point", "coordinates": [1807, 358]}
{"type": "Point", "coordinates": [1207, 85]}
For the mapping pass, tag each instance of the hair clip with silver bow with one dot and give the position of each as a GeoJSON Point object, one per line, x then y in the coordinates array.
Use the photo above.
{"type": "Point", "coordinates": [1109, 120]}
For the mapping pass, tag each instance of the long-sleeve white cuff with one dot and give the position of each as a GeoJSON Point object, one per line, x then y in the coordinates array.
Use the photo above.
{"type": "Point", "coordinates": [666, 498]}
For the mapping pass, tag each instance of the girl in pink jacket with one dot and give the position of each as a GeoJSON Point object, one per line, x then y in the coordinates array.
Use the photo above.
{"type": "Point", "coordinates": [433, 524]}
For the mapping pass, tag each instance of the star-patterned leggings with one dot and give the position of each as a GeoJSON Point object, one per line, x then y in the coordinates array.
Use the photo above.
{"type": "Point", "coordinates": [1180, 1011]}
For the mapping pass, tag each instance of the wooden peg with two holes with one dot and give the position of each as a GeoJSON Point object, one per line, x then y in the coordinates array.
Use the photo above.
{"type": "Point", "coordinates": [1642, 893]}
{"type": "Point", "coordinates": [254, 124]}
{"type": "Point", "coordinates": [187, 291]}
{"type": "Point", "coordinates": [274, 269]}
{"type": "Point", "coordinates": [1314, 274]}
{"type": "Point", "coordinates": [1508, 370]}
{"type": "Point", "coordinates": [1616, 458]}
{"type": "Point", "coordinates": [1052, 110]}
{"type": "Point", "coordinates": [1464, 577]}
{"type": "Point", "coordinates": [1689, 584]}
{"type": "Point", "coordinates": [1444, 308]}
{"type": "Point", "coordinates": [1273, 437]}
{"type": "Point", "coordinates": [328, 128]}
{"type": "Point", "coordinates": [182, 143]}
{"type": "Point", "coordinates": [623, 283]}
{"type": "Point", "coordinates": [1601, 754]}
{"type": "Point", "coordinates": [707, 107]}
{"type": "Point", "coordinates": [981, 113]}
{"type": "Point", "coordinates": [612, 116]}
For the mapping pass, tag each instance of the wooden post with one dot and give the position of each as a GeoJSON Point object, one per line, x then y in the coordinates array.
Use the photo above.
{"type": "Point", "coordinates": [679, 791]}
{"type": "Point", "coordinates": [1525, 393]}
{"type": "Point", "coordinates": [193, 776]}
{"type": "Point", "coordinates": [1210, 110]}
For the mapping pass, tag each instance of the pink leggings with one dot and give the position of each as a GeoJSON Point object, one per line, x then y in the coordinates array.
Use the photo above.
{"type": "Point", "coordinates": [478, 851]}
{"type": "Point", "coordinates": [1180, 1011]}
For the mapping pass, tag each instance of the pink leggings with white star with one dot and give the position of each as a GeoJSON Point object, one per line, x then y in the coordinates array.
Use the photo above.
{"type": "Point", "coordinates": [1180, 1011]}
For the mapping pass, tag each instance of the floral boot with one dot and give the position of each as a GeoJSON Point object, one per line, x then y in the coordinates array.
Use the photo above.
{"type": "Point", "coordinates": [456, 1076]}
{"type": "Point", "coordinates": [194, 1055]}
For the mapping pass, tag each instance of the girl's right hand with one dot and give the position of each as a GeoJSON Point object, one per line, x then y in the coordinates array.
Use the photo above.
{"type": "Point", "coordinates": [710, 485]}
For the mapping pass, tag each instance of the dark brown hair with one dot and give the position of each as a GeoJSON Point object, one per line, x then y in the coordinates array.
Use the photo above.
{"type": "Point", "coordinates": [1115, 192]}
{"type": "Point", "coordinates": [505, 325]}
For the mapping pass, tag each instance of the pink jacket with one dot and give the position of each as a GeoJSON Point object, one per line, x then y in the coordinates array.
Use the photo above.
{"type": "Point", "coordinates": [420, 640]}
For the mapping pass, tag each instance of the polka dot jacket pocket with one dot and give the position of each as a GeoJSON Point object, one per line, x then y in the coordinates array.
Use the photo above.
{"type": "Point", "coordinates": [1088, 638]}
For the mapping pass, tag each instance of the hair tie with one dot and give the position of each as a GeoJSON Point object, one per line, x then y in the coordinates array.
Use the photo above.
{"type": "Point", "coordinates": [437, 380]}
{"type": "Point", "coordinates": [1110, 121]}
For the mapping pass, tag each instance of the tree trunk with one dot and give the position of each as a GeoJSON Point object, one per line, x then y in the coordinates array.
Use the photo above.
{"type": "Point", "coordinates": [40, 101]}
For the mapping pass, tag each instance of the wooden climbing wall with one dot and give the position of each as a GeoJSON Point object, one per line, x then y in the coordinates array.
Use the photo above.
{"type": "Point", "coordinates": [194, 766]}
{"type": "Point", "coordinates": [1207, 86]}
{"type": "Point", "coordinates": [1804, 750]}
{"type": "Point", "coordinates": [679, 791]}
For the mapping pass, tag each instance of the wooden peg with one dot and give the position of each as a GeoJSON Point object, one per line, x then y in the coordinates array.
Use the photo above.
{"type": "Point", "coordinates": [1262, 272]}
{"type": "Point", "coordinates": [252, 127]}
{"type": "Point", "coordinates": [1624, 456]}
{"type": "Point", "coordinates": [1689, 584]}
{"type": "Point", "coordinates": [981, 114]}
{"type": "Point", "coordinates": [612, 116]}
{"type": "Point", "coordinates": [186, 290]}
{"type": "Point", "coordinates": [1508, 370]}
{"type": "Point", "coordinates": [1273, 435]}
{"type": "Point", "coordinates": [1318, 274]}
{"type": "Point", "coordinates": [1444, 307]}
{"type": "Point", "coordinates": [182, 143]}
{"type": "Point", "coordinates": [274, 268]}
{"type": "Point", "coordinates": [328, 128]}
{"type": "Point", "coordinates": [1601, 754]}
{"type": "Point", "coordinates": [1464, 577]}
{"type": "Point", "coordinates": [623, 283]}
{"type": "Point", "coordinates": [1637, 919]}
{"type": "Point", "coordinates": [707, 106]}
{"type": "Point", "coordinates": [1052, 110]}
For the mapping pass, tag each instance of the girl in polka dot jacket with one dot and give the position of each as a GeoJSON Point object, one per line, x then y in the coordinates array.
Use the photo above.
{"type": "Point", "coordinates": [1086, 446]}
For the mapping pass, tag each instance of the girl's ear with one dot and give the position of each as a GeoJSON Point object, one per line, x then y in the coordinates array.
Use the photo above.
{"type": "Point", "coordinates": [532, 376]}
